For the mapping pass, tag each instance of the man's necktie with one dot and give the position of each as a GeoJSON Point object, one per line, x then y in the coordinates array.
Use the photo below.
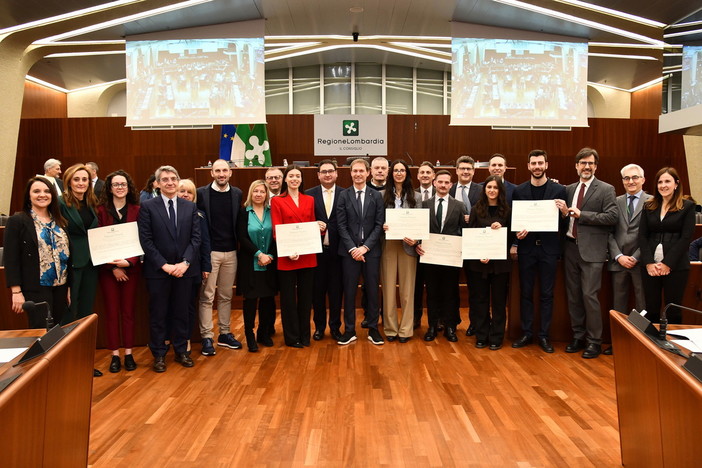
{"type": "Point", "coordinates": [171, 214]}
{"type": "Point", "coordinates": [425, 197]}
{"type": "Point", "coordinates": [327, 202]}
{"type": "Point", "coordinates": [440, 212]}
{"type": "Point", "coordinates": [578, 204]}
{"type": "Point", "coordinates": [360, 210]}
{"type": "Point", "coordinates": [630, 208]}
{"type": "Point", "coordinates": [464, 196]}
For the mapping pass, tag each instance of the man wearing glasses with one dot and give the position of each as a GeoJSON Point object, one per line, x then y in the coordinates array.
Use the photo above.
{"type": "Point", "coordinates": [592, 210]}
{"type": "Point", "coordinates": [274, 180]}
{"type": "Point", "coordinates": [624, 252]}
{"type": "Point", "coordinates": [327, 275]}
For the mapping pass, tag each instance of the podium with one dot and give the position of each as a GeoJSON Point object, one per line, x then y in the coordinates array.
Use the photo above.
{"type": "Point", "coordinates": [45, 411]}
{"type": "Point", "coordinates": [659, 402]}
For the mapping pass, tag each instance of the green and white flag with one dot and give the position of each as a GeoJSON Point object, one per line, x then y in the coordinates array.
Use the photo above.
{"type": "Point", "coordinates": [254, 149]}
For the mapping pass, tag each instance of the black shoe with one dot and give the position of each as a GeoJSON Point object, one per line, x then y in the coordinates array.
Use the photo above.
{"type": "Point", "coordinates": [450, 334]}
{"type": "Point", "coordinates": [481, 344]}
{"type": "Point", "coordinates": [592, 351]}
{"type": "Point", "coordinates": [404, 339]}
{"type": "Point", "coordinates": [364, 323]}
{"type": "Point", "coordinates": [305, 343]}
{"type": "Point", "coordinates": [375, 337]}
{"type": "Point", "coordinates": [470, 331]}
{"type": "Point", "coordinates": [575, 346]}
{"type": "Point", "coordinates": [545, 344]}
{"type": "Point", "coordinates": [318, 335]}
{"type": "Point", "coordinates": [495, 346]}
{"type": "Point", "coordinates": [347, 338]}
{"type": "Point", "coordinates": [335, 334]}
{"type": "Point", "coordinates": [430, 335]}
{"type": "Point", "coordinates": [391, 338]}
{"type": "Point", "coordinates": [440, 327]}
{"type": "Point", "coordinates": [97, 373]}
{"type": "Point", "coordinates": [522, 342]}
{"type": "Point", "coordinates": [115, 364]}
{"type": "Point", "coordinates": [297, 344]}
{"type": "Point", "coordinates": [184, 360]}
{"type": "Point", "coordinates": [266, 341]}
{"type": "Point", "coordinates": [160, 364]}
{"type": "Point", "coordinates": [129, 363]}
{"type": "Point", "coordinates": [608, 352]}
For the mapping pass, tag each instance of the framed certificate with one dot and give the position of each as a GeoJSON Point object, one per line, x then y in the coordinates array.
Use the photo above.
{"type": "Point", "coordinates": [298, 239]}
{"type": "Point", "coordinates": [110, 243]}
{"type": "Point", "coordinates": [535, 215]}
{"type": "Point", "coordinates": [479, 243]}
{"type": "Point", "coordinates": [442, 249]}
{"type": "Point", "coordinates": [412, 223]}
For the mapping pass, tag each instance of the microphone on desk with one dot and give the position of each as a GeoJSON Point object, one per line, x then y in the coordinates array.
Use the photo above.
{"type": "Point", "coordinates": [664, 319]}
{"type": "Point", "coordinates": [410, 158]}
{"type": "Point", "coordinates": [31, 306]}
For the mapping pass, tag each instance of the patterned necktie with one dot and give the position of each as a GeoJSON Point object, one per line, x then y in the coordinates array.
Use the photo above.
{"type": "Point", "coordinates": [466, 200]}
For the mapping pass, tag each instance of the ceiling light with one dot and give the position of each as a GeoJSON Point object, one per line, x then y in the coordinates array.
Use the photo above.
{"type": "Point", "coordinates": [624, 45]}
{"type": "Point", "coordinates": [622, 56]}
{"type": "Point", "coordinates": [582, 21]}
{"type": "Point", "coordinates": [683, 33]}
{"type": "Point", "coordinates": [317, 50]}
{"type": "Point", "coordinates": [356, 9]}
{"type": "Point", "coordinates": [99, 85]}
{"type": "Point", "coordinates": [85, 54]}
{"type": "Point", "coordinates": [684, 25]}
{"type": "Point", "coordinates": [615, 13]}
{"type": "Point", "coordinates": [46, 84]}
{"type": "Point", "coordinates": [646, 85]}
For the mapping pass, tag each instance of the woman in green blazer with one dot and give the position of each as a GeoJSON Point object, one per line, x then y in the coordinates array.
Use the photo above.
{"type": "Point", "coordinates": [78, 207]}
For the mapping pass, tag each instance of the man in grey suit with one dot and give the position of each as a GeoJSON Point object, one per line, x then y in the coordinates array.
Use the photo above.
{"type": "Point", "coordinates": [624, 251]}
{"type": "Point", "coordinates": [425, 176]}
{"type": "Point", "coordinates": [591, 206]}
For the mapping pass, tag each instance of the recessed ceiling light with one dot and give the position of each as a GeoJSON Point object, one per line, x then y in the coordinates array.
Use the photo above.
{"type": "Point", "coordinates": [356, 9]}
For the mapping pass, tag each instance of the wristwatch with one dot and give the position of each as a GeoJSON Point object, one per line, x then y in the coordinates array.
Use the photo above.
{"type": "Point", "coordinates": [187, 263]}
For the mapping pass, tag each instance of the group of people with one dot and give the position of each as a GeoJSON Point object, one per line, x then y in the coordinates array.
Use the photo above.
{"type": "Point", "coordinates": [198, 242]}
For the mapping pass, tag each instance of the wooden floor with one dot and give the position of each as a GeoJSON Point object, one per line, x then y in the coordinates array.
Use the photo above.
{"type": "Point", "coordinates": [413, 404]}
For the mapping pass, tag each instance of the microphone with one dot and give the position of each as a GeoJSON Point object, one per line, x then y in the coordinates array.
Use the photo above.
{"type": "Point", "coordinates": [410, 158]}
{"type": "Point", "coordinates": [31, 306]}
{"type": "Point", "coordinates": [664, 319]}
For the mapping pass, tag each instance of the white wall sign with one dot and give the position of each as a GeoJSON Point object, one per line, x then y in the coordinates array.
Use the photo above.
{"type": "Point", "coordinates": [350, 135]}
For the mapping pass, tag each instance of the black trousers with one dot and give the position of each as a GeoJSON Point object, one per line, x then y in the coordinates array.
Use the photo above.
{"type": "Point", "coordinates": [169, 299]}
{"type": "Point", "coordinates": [531, 265]}
{"type": "Point", "coordinates": [296, 287]}
{"type": "Point", "coordinates": [352, 271]}
{"type": "Point", "coordinates": [442, 295]}
{"type": "Point", "coordinates": [56, 297]}
{"type": "Point", "coordinates": [489, 289]}
{"type": "Point", "coordinates": [419, 283]}
{"type": "Point", "coordinates": [670, 287]}
{"type": "Point", "coordinates": [327, 284]}
{"type": "Point", "coordinates": [266, 316]}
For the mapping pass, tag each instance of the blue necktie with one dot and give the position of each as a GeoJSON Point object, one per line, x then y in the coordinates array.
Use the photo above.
{"type": "Point", "coordinates": [172, 215]}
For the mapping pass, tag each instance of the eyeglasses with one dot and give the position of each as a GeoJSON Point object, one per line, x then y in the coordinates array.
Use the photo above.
{"type": "Point", "coordinates": [120, 185]}
{"type": "Point", "coordinates": [632, 178]}
{"type": "Point", "coordinates": [327, 171]}
{"type": "Point", "coordinates": [275, 177]}
{"type": "Point", "coordinates": [399, 171]}
{"type": "Point", "coordinates": [587, 163]}
{"type": "Point", "coordinates": [168, 179]}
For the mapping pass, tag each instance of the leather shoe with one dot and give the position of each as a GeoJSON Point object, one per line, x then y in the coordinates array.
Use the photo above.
{"type": "Point", "coordinates": [115, 364]}
{"type": "Point", "coordinates": [296, 345]}
{"type": "Point", "coordinates": [129, 363]}
{"type": "Point", "coordinates": [97, 373]}
{"type": "Point", "coordinates": [575, 346]}
{"type": "Point", "coordinates": [450, 334]}
{"type": "Point", "coordinates": [608, 352]}
{"type": "Point", "coordinates": [404, 339]}
{"type": "Point", "coordinates": [545, 344]}
{"type": "Point", "coordinates": [336, 334]}
{"type": "Point", "coordinates": [481, 344]}
{"type": "Point", "coordinates": [592, 351]}
{"type": "Point", "coordinates": [391, 338]}
{"type": "Point", "coordinates": [266, 341]}
{"type": "Point", "coordinates": [318, 335]}
{"type": "Point", "coordinates": [160, 364]}
{"type": "Point", "coordinates": [522, 342]}
{"type": "Point", "coordinates": [470, 331]}
{"type": "Point", "coordinates": [184, 360]}
{"type": "Point", "coordinates": [364, 323]}
{"type": "Point", "coordinates": [430, 335]}
{"type": "Point", "coordinates": [495, 346]}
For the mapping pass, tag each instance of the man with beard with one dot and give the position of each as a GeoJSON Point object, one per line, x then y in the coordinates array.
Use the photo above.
{"type": "Point", "coordinates": [497, 167]}
{"type": "Point", "coordinates": [592, 211]}
{"type": "Point", "coordinates": [425, 176]}
{"type": "Point", "coordinates": [538, 254]}
{"type": "Point", "coordinates": [379, 173]}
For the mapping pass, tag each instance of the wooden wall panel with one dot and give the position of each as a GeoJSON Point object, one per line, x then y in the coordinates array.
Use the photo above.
{"type": "Point", "coordinates": [424, 137]}
{"type": "Point", "coordinates": [42, 102]}
{"type": "Point", "coordinates": [646, 103]}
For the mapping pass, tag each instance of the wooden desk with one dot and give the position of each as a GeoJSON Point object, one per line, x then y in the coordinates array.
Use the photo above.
{"type": "Point", "coordinates": [659, 402]}
{"type": "Point", "coordinates": [45, 413]}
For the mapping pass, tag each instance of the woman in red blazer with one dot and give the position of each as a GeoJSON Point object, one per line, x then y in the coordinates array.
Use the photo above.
{"type": "Point", "coordinates": [119, 279]}
{"type": "Point", "coordinates": [295, 273]}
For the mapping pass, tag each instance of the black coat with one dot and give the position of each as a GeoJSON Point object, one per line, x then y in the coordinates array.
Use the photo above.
{"type": "Point", "coordinates": [251, 283]}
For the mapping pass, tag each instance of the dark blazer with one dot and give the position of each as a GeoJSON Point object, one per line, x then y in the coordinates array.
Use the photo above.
{"type": "Point", "coordinates": [285, 211]}
{"type": "Point", "coordinates": [550, 241]}
{"type": "Point", "coordinates": [493, 266]}
{"type": "Point", "coordinates": [418, 193]}
{"type": "Point", "coordinates": [105, 218]}
{"type": "Point", "coordinates": [625, 238]}
{"type": "Point", "coordinates": [598, 215]}
{"type": "Point", "coordinates": [80, 251]}
{"type": "Point", "coordinates": [162, 243]}
{"type": "Point", "coordinates": [99, 187]}
{"type": "Point", "coordinates": [203, 203]}
{"type": "Point", "coordinates": [473, 192]}
{"type": "Point", "coordinates": [350, 222]}
{"type": "Point", "coordinates": [455, 217]}
{"type": "Point", "coordinates": [21, 254]}
{"type": "Point", "coordinates": [205, 244]}
{"type": "Point", "coordinates": [247, 281]}
{"type": "Point", "coordinates": [321, 213]}
{"type": "Point", "coordinates": [674, 232]}
{"type": "Point", "coordinates": [509, 190]}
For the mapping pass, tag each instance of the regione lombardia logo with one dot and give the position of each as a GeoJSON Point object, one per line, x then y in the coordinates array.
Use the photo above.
{"type": "Point", "coordinates": [350, 128]}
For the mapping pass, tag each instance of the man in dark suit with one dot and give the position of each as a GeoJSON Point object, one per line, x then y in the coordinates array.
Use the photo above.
{"type": "Point", "coordinates": [624, 251]}
{"type": "Point", "coordinates": [169, 232]}
{"type": "Point", "coordinates": [425, 176]}
{"type": "Point", "coordinates": [52, 173]}
{"type": "Point", "coordinates": [468, 192]}
{"type": "Point", "coordinates": [497, 167]}
{"type": "Point", "coordinates": [591, 206]}
{"type": "Point", "coordinates": [360, 218]}
{"type": "Point", "coordinates": [327, 275]}
{"type": "Point", "coordinates": [538, 254]}
{"type": "Point", "coordinates": [98, 184]}
{"type": "Point", "coordinates": [446, 216]}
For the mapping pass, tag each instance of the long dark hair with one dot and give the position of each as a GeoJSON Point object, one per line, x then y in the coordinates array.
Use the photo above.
{"type": "Point", "coordinates": [149, 187]}
{"type": "Point", "coordinates": [284, 187]}
{"type": "Point", "coordinates": [53, 207]}
{"type": "Point", "coordinates": [407, 189]}
{"type": "Point", "coordinates": [106, 198]}
{"type": "Point", "coordinates": [481, 208]}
